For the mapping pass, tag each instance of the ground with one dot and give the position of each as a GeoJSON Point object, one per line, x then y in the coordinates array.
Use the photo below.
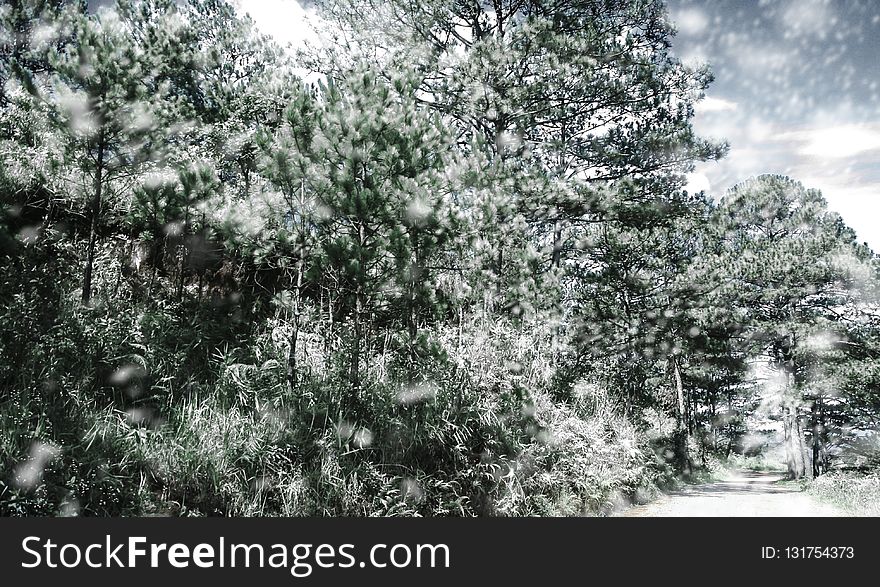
{"type": "Point", "coordinates": [738, 494]}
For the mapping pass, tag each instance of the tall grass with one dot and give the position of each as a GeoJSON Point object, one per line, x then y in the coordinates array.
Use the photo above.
{"type": "Point", "coordinates": [857, 494]}
{"type": "Point", "coordinates": [158, 408]}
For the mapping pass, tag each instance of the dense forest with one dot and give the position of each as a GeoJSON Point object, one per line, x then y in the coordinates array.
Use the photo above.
{"type": "Point", "coordinates": [443, 264]}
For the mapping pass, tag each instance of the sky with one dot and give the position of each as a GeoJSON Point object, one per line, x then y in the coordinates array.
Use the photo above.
{"type": "Point", "coordinates": [795, 92]}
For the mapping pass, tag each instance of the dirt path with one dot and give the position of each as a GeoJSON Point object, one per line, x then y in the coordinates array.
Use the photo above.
{"type": "Point", "coordinates": [739, 494]}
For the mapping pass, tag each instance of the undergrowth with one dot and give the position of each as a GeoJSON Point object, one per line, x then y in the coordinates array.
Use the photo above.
{"type": "Point", "coordinates": [188, 409]}
{"type": "Point", "coordinates": [855, 493]}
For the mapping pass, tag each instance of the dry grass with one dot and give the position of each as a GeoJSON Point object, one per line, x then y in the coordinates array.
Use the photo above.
{"type": "Point", "coordinates": [858, 494]}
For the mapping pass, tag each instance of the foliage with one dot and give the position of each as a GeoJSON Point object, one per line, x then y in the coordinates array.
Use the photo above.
{"type": "Point", "coordinates": [455, 274]}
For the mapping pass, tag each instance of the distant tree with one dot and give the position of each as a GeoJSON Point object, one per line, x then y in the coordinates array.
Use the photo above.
{"type": "Point", "coordinates": [786, 268]}
{"type": "Point", "coordinates": [637, 313]}
{"type": "Point", "coordinates": [285, 161]}
{"type": "Point", "coordinates": [30, 173]}
{"type": "Point", "coordinates": [239, 83]}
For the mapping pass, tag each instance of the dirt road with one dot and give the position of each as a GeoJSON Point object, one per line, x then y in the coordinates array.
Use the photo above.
{"type": "Point", "coordinates": [739, 494]}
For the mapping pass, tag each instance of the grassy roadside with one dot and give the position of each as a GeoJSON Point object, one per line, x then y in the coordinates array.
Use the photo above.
{"type": "Point", "coordinates": [719, 468]}
{"type": "Point", "coordinates": [759, 463]}
{"type": "Point", "coordinates": [712, 468]}
{"type": "Point", "coordinates": [856, 494]}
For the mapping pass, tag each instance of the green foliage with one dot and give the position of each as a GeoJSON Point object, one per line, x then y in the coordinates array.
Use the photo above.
{"type": "Point", "coordinates": [455, 276]}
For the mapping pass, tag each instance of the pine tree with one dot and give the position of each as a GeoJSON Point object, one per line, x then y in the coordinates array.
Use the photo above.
{"type": "Point", "coordinates": [361, 169]}
{"type": "Point", "coordinates": [107, 106]}
{"type": "Point", "coordinates": [560, 98]}
{"type": "Point", "coordinates": [786, 267]}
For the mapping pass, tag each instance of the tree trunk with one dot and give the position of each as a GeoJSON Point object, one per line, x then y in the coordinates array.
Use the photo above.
{"type": "Point", "coordinates": [184, 253]}
{"type": "Point", "coordinates": [292, 377]}
{"type": "Point", "coordinates": [460, 326]}
{"type": "Point", "coordinates": [556, 256]}
{"type": "Point", "coordinates": [817, 439]}
{"type": "Point", "coordinates": [790, 463]}
{"type": "Point", "coordinates": [93, 230]}
{"type": "Point", "coordinates": [795, 447]}
{"type": "Point", "coordinates": [679, 393]}
{"type": "Point", "coordinates": [354, 373]}
{"type": "Point", "coordinates": [294, 333]}
{"type": "Point", "coordinates": [794, 443]}
{"type": "Point", "coordinates": [801, 447]}
{"type": "Point", "coordinates": [692, 413]}
{"type": "Point", "coordinates": [682, 433]}
{"type": "Point", "coordinates": [331, 346]}
{"type": "Point", "coordinates": [730, 429]}
{"type": "Point", "coordinates": [416, 272]}
{"type": "Point", "coordinates": [500, 273]}
{"type": "Point", "coordinates": [713, 415]}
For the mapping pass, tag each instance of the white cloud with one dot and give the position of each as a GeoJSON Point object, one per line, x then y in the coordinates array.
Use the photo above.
{"type": "Point", "coordinates": [758, 130]}
{"type": "Point", "coordinates": [858, 203]}
{"type": "Point", "coordinates": [697, 182]}
{"type": "Point", "coordinates": [284, 20]}
{"type": "Point", "coordinates": [710, 104]}
{"type": "Point", "coordinates": [837, 142]}
{"type": "Point", "coordinates": [691, 21]}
